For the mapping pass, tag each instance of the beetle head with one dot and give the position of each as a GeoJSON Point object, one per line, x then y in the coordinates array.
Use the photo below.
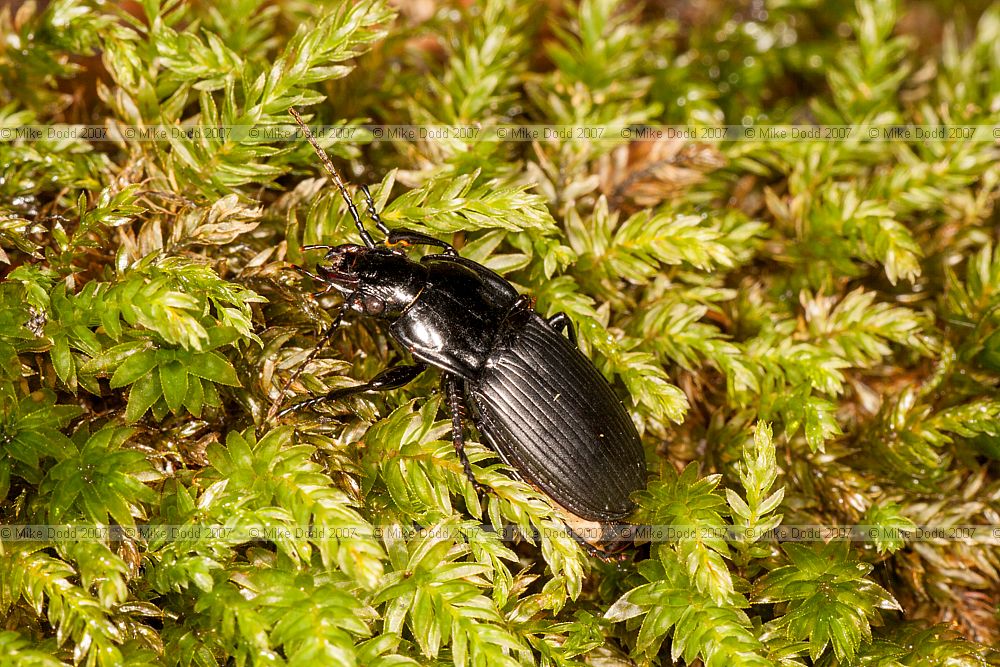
{"type": "Point", "coordinates": [378, 281]}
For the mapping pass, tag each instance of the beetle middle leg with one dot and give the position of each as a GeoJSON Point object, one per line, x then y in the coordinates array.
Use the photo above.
{"type": "Point", "coordinates": [455, 406]}
{"type": "Point", "coordinates": [560, 322]}
{"type": "Point", "coordinates": [391, 378]}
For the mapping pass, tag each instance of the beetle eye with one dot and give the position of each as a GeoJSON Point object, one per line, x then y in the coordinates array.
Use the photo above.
{"type": "Point", "coordinates": [374, 305]}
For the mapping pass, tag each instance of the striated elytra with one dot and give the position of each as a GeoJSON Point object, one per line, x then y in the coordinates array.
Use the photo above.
{"type": "Point", "coordinates": [534, 397]}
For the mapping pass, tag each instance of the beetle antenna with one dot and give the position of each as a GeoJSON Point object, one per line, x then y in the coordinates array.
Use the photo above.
{"type": "Point", "coordinates": [327, 337]}
{"type": "Point", "coordinates": [335, 177]}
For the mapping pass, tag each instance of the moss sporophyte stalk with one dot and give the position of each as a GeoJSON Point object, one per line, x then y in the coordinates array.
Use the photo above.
{"type": "Point", "coordinates": [773, 229]}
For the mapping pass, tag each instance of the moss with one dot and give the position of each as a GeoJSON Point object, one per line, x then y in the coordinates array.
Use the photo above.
{"type": "Point", "coordinates": [805, 330]}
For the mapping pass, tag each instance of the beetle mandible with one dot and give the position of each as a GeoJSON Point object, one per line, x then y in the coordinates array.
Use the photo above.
{"type": "Point", "coordinates": [536, 400]}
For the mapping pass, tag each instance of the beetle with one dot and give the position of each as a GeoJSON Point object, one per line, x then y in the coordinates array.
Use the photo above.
{"type": "Point", "coordinates": [535, 398]}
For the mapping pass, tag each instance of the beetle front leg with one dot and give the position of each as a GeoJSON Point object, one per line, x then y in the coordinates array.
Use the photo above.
{"type": "Point", "coordinates": [327, 337]}
{"type": "Point", "coordinates": [406, 237]}
{"type": "Point", "coordinates": [455, 406]}
{"type": "Point", "coordinates": [560, 322]}
{"type": "Point", "coordinates": [402, 237]}
{"type": "Point", "coordinates": [391, 378]}
{"type": "Point", "coordinates": [373, 212]}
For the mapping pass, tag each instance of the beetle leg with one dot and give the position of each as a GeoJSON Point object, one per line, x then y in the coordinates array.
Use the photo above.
{"type": "Point", "coordinates": [372, 212]}
{"type": "Point", "coordinates": [327, 337]}
{"type": "Point", "coordinates": [406, 237]}
{"type": "Point", "coordinates": [560, 322]}
{"type": "Point", "coordinates": [455, 406]}
{"type": "Point", "coordinates": [391, 378]}
{"type": "Point", "coordinates": [607, 556]}
{"type": "Point", "coordinates": [402, 237]}
{"type": "Point", "coordinates": [522, 303]}
{"type": "Point", "coordinates": [312, 276]}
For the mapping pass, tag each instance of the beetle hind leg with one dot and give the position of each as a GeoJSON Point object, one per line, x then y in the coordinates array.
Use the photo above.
{"type": "Point", "coordinates": [616, 555]}
{"type": "Point", "coordinates": [455, 406]}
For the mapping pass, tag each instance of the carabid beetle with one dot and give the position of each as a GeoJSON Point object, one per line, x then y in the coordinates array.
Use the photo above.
{"type": "Point", "coordinates": [535, 398]}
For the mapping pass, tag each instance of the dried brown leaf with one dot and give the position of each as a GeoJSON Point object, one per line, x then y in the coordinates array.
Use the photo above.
{"type": "Point", "coordinates": [645, 173]}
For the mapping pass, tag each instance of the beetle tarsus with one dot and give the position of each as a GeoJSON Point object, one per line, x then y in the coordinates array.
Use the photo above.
{"type": "Point", "coordinates": [606, 556]}
{"type": "Point", "coordinates": [373, 212]}
{"type": "Point", "coordinates": [327, 337]}
{"type": "Point", "coordinates": [457, 432]}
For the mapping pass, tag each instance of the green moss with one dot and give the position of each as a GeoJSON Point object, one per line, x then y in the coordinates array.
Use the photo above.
{"type": "Point", "coordinates": [807, 331]}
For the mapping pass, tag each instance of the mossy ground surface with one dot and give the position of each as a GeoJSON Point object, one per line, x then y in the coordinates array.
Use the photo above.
{"type": "Point", "coordinates": [805, 331]}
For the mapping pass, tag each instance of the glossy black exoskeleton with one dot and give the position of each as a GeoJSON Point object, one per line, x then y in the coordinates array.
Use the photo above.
{"type": "Point", "coordinates": [535, 398]}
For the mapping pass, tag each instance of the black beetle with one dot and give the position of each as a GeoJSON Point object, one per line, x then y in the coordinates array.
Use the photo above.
{"type": "Point", "coordinates": [535, 398]}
